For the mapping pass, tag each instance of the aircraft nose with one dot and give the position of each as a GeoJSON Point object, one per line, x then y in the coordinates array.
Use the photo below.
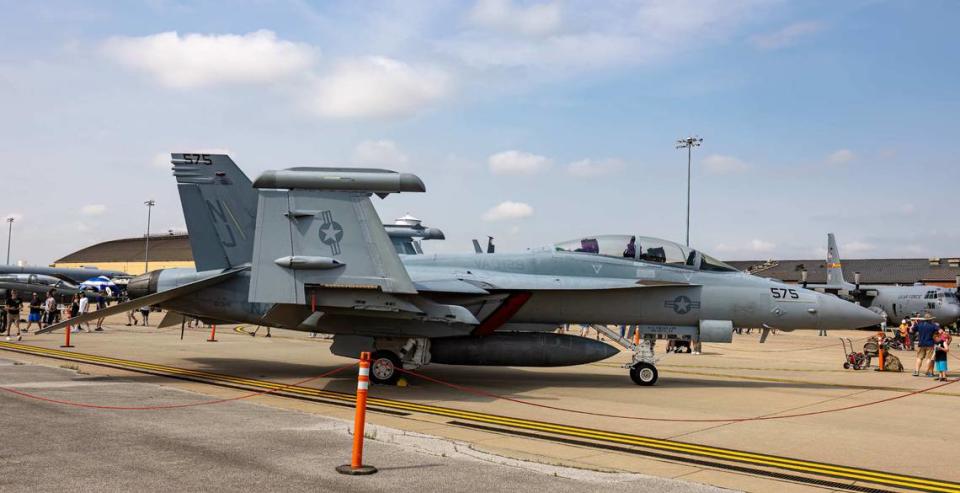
{"type": "Point", "coordinates": [835, 313]}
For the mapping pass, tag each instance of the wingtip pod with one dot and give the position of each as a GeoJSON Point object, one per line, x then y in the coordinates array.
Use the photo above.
{"type": "Point", "coordinates": [341, 179]}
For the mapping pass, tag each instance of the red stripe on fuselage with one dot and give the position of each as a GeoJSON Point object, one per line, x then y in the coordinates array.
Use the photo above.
{"type": "Point", "coordinates": [502, 314]}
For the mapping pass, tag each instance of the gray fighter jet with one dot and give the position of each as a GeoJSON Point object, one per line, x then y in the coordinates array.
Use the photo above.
{"type": "Point", "coordinates": [892, 302]}
{"type": "Point", "coordinates": [304, 249]}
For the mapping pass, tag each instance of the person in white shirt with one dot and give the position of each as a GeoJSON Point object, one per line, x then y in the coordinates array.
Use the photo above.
{"type": "Point", "coordinates": [84, 305]}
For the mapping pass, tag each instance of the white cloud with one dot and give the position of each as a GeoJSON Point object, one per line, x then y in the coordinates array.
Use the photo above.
{"type": "Point", "coordinates": [515, 162]}
{"type": "Point", "coordinates": [379, 153]}
{"type": "Point", "coordinates": [856, 248]}
{"type": "Point", "coordinates": [717, 164]}
{"type": "Point", "coordinates": [841, 156]}
{"type": "Point", "coordinates": [508, 210]}
{"type": "Point", "coordinates": [761, 246]}
{"type": "Point", "coordinates": [204, 60]}
{"type": "Point", "coordinates": [616, 35]}
{"type": "Point", "coordinates": [377, 87]}
{"type": "Point", "coordinates": [93, 209]}
{"type": "Point", "coordinates": [786, 36]}
{"type": "Point", "coordinates": [533, 20]}
{"type": "Point", "coordinates": [587, 168]}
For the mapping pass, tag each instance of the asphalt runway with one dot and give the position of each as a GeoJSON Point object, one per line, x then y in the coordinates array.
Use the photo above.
{"type": "Point", "coordinates": [232, 446]}
{"type": "Point", "coordinates": [791, 374]}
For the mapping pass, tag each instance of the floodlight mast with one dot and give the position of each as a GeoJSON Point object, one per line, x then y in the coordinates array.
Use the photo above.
{"type": "Point", "coordinates": [9, 235]}
{"type": "Point", "coordinates": [146, 254]}
{"type": "Point", "coordinates": [689, 143]}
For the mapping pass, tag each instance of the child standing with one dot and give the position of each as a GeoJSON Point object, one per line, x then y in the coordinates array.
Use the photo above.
{"type": "Point", "coordinates": [941, 347]}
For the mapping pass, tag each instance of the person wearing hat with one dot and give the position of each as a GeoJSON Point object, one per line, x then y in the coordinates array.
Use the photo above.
{"type": "Point", "coordinates": [924, 330]}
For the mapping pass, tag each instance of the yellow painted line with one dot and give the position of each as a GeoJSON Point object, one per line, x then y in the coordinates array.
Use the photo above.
{"type": "Point", "coordinates": [798, 465]}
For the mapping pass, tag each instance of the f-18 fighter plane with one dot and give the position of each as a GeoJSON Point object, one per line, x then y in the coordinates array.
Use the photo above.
{"type": "Point", "coordinates": [304, 249]}
{"type": "Point", "coordinates": [892, 302]}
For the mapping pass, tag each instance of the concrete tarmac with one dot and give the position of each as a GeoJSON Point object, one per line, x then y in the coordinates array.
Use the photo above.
{"type": "Point", "coordinates": [792, 373]}
{"type": "Point", "coordinates": [233, 446]}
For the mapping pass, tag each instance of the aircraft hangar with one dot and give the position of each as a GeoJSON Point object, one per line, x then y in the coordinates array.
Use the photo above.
{"type": "Point", "coordinates": [892, 271]}
{"type": "Point", "coordinates": [170, 250]}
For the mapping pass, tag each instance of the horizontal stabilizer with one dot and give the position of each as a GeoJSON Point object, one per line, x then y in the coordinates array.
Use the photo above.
{"type": "Point", "coordinates": [152, 299]}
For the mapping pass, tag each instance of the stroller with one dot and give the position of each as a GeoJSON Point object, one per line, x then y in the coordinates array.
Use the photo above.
{"type": "Point", "coordinates": [851, 359]}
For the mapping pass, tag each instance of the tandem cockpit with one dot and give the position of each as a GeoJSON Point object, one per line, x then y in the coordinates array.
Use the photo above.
{"type": "Point", "coordinates": [644, 249]}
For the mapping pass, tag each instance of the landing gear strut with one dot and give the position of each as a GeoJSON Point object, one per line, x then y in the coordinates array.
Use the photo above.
{"type": "Point", "coordinates": [643, 369]}
{"type": "Point", "coordinates": [383, 367]}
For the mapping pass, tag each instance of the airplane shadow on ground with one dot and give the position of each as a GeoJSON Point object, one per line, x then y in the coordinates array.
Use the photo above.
{"type": "Point", "coordinates": [506, 381]}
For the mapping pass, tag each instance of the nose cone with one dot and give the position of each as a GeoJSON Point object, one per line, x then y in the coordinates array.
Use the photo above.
{"type": "Point", "coordinates": [835, 313]}
{"type": "Point", "coordinates": [948, 314]}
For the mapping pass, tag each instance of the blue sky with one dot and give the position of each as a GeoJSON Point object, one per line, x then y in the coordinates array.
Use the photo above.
{"type": "Point", "coordinates": [533, 122]}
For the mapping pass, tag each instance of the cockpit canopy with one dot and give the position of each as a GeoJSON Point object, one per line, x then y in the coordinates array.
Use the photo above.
{"type": "Point", "coordinates": [645, 249]}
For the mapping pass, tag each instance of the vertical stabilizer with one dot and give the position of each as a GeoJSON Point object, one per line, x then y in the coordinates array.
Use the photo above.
{"type": "Point", "coordinates": [834, 268]}
{"type": "Point", "coordinates": [317, 230]}
{"type": "Point", "coordinates": [219, 207]}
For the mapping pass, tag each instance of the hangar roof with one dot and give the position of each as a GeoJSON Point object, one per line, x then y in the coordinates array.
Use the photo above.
{"type": "Point", "coordinates": [872, 271]}
{"type": "Point", "coordinates": [163, 248]}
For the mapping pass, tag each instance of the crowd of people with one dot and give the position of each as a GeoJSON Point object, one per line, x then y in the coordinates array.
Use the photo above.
{"type": "Point", "coordinates": [44, 311]}
{"type": "Point", "coordinates": [932, 345]}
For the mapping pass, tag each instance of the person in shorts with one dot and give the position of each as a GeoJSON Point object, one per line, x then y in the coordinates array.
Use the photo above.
{"type": "Point", "coordinates": [924, 329]}
{"type": "Point", "coordinates": [36, 307]}
{"type": "Point", "coordinates": [12, 306]}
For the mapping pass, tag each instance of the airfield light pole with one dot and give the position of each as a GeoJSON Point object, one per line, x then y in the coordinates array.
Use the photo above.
{"type": "Point", "coordinates": [9, 235]}
{"type": "Point", "coordinates": [689, 143]}
{"type": "Point", "coordinates": [146, 254]}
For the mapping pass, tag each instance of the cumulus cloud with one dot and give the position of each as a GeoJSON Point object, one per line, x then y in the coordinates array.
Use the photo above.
{"type": "Point", "coordinates": [755, 245]}
{"type": "Point", "coordinates": [93, 209]}
{"type": "Point", "coordinates": [377, 87]}
{"type": "Point", "coordinates": [515, 162]}
{"type": "Point", "coordinates": [205, 60]}
{"type": "Point", "coordinates": [856, 248]}
{"type": "Point", "coordinates": [786, 36]}
{"type": "Point", "coordinates": [532, 20]}
{"type": "Point", "coordinates": [588, 168]}
{"type": "Point", "coordinates": [761, 246]}
{"type": "Point", "coordinates": [508, 210]}
{"type": "Point", "coordinates": [841, 156]}
{"type": "Point", "coordinates": [379, 152]}
{"type": "Point", "coordinates": [618, 34]}
{"type": "Point", "coordinates": [717, 164]}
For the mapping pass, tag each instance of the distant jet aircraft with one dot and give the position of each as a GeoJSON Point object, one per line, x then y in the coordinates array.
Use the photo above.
{"type": "Point", "coordinates": [892, 302]}
{"type": "Point", "coordinates": [304, 249]}
{"type": "Point", "coordinates": [74, 275]}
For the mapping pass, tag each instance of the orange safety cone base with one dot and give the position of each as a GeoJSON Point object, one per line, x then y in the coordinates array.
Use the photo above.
{"type": "Point", "coordinates": [359, 471]}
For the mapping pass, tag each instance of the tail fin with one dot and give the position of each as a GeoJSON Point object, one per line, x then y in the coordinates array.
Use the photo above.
{"type": "Point", "coordinates": [220, 209]}
{"type": "Point", "coordinates": [834, 268]}
{"type": "Point", "coordinates": [317, 229]}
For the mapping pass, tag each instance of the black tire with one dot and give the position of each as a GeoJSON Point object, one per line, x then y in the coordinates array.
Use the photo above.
{"type": "Point", "coordinates": [383, 367]}
{"type": "Point", "coordinates": [846, 366]}
{"type": "Point", "coordinates": [644, 374]}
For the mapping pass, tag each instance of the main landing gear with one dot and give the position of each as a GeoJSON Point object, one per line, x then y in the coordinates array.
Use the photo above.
{"type": "Point", "coordinates": [383, 367]}
{"type": "Point", "coordinates": [643, 369]}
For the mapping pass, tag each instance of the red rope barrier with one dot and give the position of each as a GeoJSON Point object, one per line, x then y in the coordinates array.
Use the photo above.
{"type": "Point", "coordinates": [673, 420]}
{"type": "Point", "coordinates": [173, 406]}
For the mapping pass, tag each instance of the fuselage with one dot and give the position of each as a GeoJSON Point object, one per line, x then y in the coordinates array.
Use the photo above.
{"type": "Point", "coordinates": [899, 302]}
{"type": "Point", "coordinates": [566, 287]}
